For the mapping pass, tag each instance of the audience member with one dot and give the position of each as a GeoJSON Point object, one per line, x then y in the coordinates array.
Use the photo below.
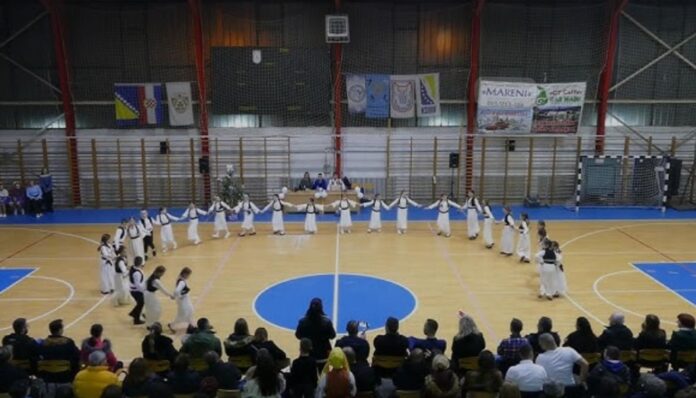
{"type": "Point", "coordinates": [650, 386]}
{"type": "Point", "coordinates": [182, 379]}
{"type": "Point", "coordinates": [160, 390]}
{"type": "Point", "coordinates": [509, 348]}
{"type": "Point", "coordinates": [305, 182]}
{"type": "Point", "coordinates": [46, 184]}
{"type": "Point", "coordinates": [608, 388]}
{"type": "Point", "coordinates": [468, 343]}
{"type": "Point", "coordinates": [4, 200]}
{"type": "Point", "coordinates": [261, 341]}
{"type": "Point", "coordinates": [336, 184]}
{"type": "Point", "coordinates": [509, 390]}
{"type": "Point", "coordinates": [357, 343]}
{"type": "Point", "coordinates": [303, 372]}
{"type": "Point", "coordinates": [558, 363]}
{"type": "Point", "coordinates": [156, 347]}
{"type": "Point", "coordinates": [320, 183]}
{"type": "Point", "coordinates": [209, 387]}
{"type": "Point", "coordinates": [226, 375]}
{"type": "Point", "coordinates": [442, 382]}
{"type": "Point", "coordinates": [545, 325]}
{"type": "Point", "coordinates": [410, 376]}
{"type": "Point", "coordinates": [364, 374]}
{"type": "Point", "coordinates": [9, 373]}
{"type": "Point", "coordinates": [35, 199]}
{"type": "Point", "coordinates": [138, 381]}
{"type": "Point", "coordinates": [238, 344]}
{"type": "Point", "coordinates": [527, 376]}
{"type": "Point", "coordinates": [23, 347]}
{"type": "Point", "coordinates": [202, 340]}
{"type": "Point", "coordinates": [431, 345]}
{"type": "Point", "coordinates": [316, 326]}
{"type": "Point", "coordinates": [684, 338]}
{"type": "Point", "coordinates": [651, 335]}
{"type": "Point", "coordinates": [583, 339]}
{"type": "Point", "coordinates": [112, 391]}
{"type": "Point", "coordinates": [487, 378]}
{"type": "Point", "coordinates": [689, 392]}
{"type": "Point", "coordinates": [91, 381]}
{"type": "Point", "coordinates": [616, 334]}
{"type": "Point", "coordinates": [264, 380]}
{"type": "Point", "coordinates": [17, 198]}
{"type": "Point", "coordinates": [346, 182]}
{"type": "Point", "coordinates": [96, 343]}
{"type": "Point", "coordinates": [391, 344]}
{"type": "Point", "coordinates": [336, 379]}
{"type": "Point", "coordinates": [57, 347]}
{"type": "Point", "coordinates": [609, 368]}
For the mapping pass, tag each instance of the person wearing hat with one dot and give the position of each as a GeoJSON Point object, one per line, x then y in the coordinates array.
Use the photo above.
{"type": "Point", "coordinates": [92, 380]}
{"type": "Point", "coordinates": [23, 347]}
{"type": "Point", "coordinates": [57, 349]}
{"type": "Point", "coordinates": [157, 347]}
{"type": "Point", "coordinates": [202, 340]}
{"type": "Point", "coordinates": [336, 379]}
{"type": "Point", "coordinates": [684, 338]}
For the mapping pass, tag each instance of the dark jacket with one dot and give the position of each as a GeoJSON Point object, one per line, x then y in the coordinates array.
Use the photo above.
{"type": "Point", "coordinates": [365, 376]}
{"type": "Point", "coordinates": [411, 376]}
{"type": "Point", "coordinates": [466, 347]}
{"type": "Point", "coordinates": [393, 345]}
{"type": "Point", "coordinates": [533, 339]}
{"type": "Point", "coordinates": [606, 369]}
{"type": "Point", "coordinates": [486, 382]}
{"type": "Point", "coordinates": [582, 342]}
{"type": "Point", "coordinates": [237, 346]}
{"type": "Point", "coordinates": [9, 375]}
{"type": "Point", "coordinates": [187, 382]}
{"type": "Point", "coordinates": [226, 374]}
{"type": "Point", "coordinates": [682, 340]}
{"type": "Point", "coordinates": [273, 349]}
{"type": "Point", "coordinates": [358, 344]}
{"type": "Point", "coordinates": [303, 377]}
{"type": "Point", "coordinates": [159, 348]}
{"type": "Point", "coordinates": [652, 340]}
{"type": "Point", "coordinates": [618, 336]}
{"type": "Point", "coordinates": [63, 349]}
{"type": "Point", "coordinates": [137, 389]}
{"type": "Point", "coordinates": [23, 348]}
{"type": "Point", "coordinates": [320, 331]}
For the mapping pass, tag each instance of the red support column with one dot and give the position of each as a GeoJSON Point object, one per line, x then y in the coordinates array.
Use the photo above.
{"type": "Point", "coordinates": [195, 8]}
{"type": "Point", "coordinates": [475, 48]}
{"type": "Point", "coordinates": [607, 73]}
{"type": "Point", "coordinates": [54, 10]}
{"type": "Point", "coordinates": [338, 90]}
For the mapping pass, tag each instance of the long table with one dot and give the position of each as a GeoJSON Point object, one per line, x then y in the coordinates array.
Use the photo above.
{"type": "Point", "coordinates": [302, 197]}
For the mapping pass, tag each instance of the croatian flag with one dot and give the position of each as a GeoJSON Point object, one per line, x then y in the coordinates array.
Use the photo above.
{"type": "Point", "coordinates": [138, 104]}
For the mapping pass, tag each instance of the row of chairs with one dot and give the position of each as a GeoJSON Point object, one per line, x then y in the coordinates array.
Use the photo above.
{"type": "Point", "coordinates": [649, 358]}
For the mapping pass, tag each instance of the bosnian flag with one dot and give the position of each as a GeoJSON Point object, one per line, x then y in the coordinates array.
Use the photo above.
{"type": "Point", "coordinates": [138, 104]}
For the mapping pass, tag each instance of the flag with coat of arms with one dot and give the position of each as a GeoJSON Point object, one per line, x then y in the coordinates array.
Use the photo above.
{"type": "Point", "coordinates": [138, 104]}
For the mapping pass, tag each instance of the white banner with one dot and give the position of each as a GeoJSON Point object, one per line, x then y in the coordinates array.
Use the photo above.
{"type": "Point", "coordinates": [428, 95]}
{"type": "Point", "coordinates": [402, 96]}
{"type": "Point", "coordinates": [558, 108]}
{"type": "Point", "coordinates": [355, 91]}
{"type": "Point", "coordinates": [180, 107]}
{"type": "Point", "coordinates": [505, 107]}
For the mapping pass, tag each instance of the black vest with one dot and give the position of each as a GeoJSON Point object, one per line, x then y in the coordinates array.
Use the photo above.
{"type": "Point", "coordinates": [186, 289]}
{"type": "Point", "coordinates": [150, 285]}
{"type": "Point", "coordinates": [117, 268]}
{"type": "Point", "coordinates": [131, 274]}
{"type": "Point", "coordinates": [549, 256]}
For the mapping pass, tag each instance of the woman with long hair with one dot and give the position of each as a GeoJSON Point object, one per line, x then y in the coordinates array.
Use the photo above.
{"type": "Point", "coordinates": [184, 307]}
{"type": "Point", "coordinates": [264, 380]}
{"type": "Point", "coordinates": [316, 326]}
{"type": "Point", "coordinates": [487, 378]}
{"type": "Point", "coordinates": [402, 202]}
{"type": "Point", "coordinates": [468, 342]}
{"type": "Point", "coordinates": [106, 261]}
{"type": "Point", "coordinates": [239, 343]}
{"type": "Point", "coordinates": [651, 336]}
{"type": "Point", "coordinates": [583, 339]}
{"type": "Point", "coordinates": [153, 308]}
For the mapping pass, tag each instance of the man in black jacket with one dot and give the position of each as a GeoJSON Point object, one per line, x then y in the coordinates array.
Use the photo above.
{"type": "Point", "coordinates": [545, 325]}
{"type": "Point", "coordinates": [365, 377]}
{"type": "Point", "coordinates": [226, 374]}
{"type": "Point", "coordinates": [9, 373]}
{"type": "Point", "coordinates": [60, 353]}
{"type": "Point", "coordinates": [359, 345]}
{"type": "Point", "coordinates": [616, 334]}
{"type": "Point", "coordinates": [391, 344]}
{"type": "Point", "coordinates": [23, 346]}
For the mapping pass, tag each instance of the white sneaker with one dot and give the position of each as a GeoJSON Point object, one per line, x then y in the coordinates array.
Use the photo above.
{"type": "Point", "coordinates": [216, 236]}
{"type": "Point", "coordinates": [175, 246]}
{"type": "Point", "coordinates": [227, 234]}
{"type": "Point", "coordinates": [198, 242]}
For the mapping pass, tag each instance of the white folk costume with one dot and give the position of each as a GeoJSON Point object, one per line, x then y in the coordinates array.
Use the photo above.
{"type": "Point", "coordinates": [375, 214]}
{"type": "Point", "coordinates": [192, 214]}
{"type": "Point", "coordinates": [277, 206]}
{"type": "Point", "coordinates": [153, 308]}
{"type": "Point", "coordinates": [148, 225]}
{"type": "Point", "coordinates": [119, 237]}
{"type": "Point", "coordinates": [218, 208]}
{"type": "Point", "coordinates": [121, 294]}
{"type": "Point", "coordinates": [184, 306]}
{"type": "Point", "coordinates": [136, 284]}
{"type": "Point", "coordinates": [560, 282]}
{"type": "Point", "coordinates": [343, 205]}
{"type": "Point", "coordinates": [135, 235]}
{"type": "Point", "coordinates": [547, 272]}
{"type": "Point", "coordinates": [507, 241]}
{"type": "Point", "coordinates": [248, 209]}
{"type": "Point", "coordinates": [473, 208]}
{"type": "Point", "coordinates": [310, 209]}
{"type": "Point", "coordinates": [402, 203]}
{"type": "Point", "coordinates": [443, 219]}
{"type": "Point", "coordinates": [523, 245]}
{"type": "Point", "coordinates": [488, 226]}
{"type": "Point", "coordinates": [164, 220]}
{"type": "Point", "coordinates": [106, 269]}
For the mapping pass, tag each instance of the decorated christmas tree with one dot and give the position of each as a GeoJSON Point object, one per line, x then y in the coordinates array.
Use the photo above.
{"type": "Point", "coordinates": [232, 190]}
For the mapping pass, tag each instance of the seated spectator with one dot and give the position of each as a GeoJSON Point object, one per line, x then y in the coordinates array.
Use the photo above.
{"type": "Point", "coordinates": [303, 372]}
{"type": "Point", "coordinates": [17, 198]}
{"type": "Point", "coordinates": [346, 182]}
{"type": "Point", "coordinates": [91, 381]}
{"type": "Point", "coordinates": [9, 373]}
{"type": "Point", "coordinates": [391, 344]}
{"type": "Point", "coordinates": [559, 361]}
{"type": "Point", "coordinates": [160, 390]}
{"type": "Point", "coordinates": [357, 343]}
{"type": "Point", "coordinates": [608, 388]}
{"type": "Point", "coordinates": [442, 382]}
{"type": "Point", "coordinates": [226, 375]}
{"type": "Point", "coordinates": [651, 335]}
{"type": "Point", "coordinates": [336, 184]}
{"type": "Point", "coordinates": [305, 182]}
{"type": "Point", "coordinates": [650, 386]}
{"type": "Point", "coordinates": [202, 340]}
{"type": "Point", "coordinates": [509, 390]}
{"type": "Point", "coordinates": [23, 346]}
{"type": "Point", "coordinates": [616, 334]}
{"type": "Point", "coordinates": [583, 339]}
{"type": "Point", "coordinates": [468, 343]}
{"type": "Point", "coordinates": [156, 347]}
{"type": "Point", "coordinates": [96, 343]}
{"type": "Point", "coordinates": [609, 368]}
{"type": "Point", "coordinates": [261, 341]}
{"type": "Point", "coordinates": [487, 378]}
{"type": "Point", "coordinates": [509, 348]}
{"type": "Point", "coordinates": [316, 326]}
{"type": "Point", "coordinates": [27, 388]}
{"type": "Point", "coordinates": [684, 338]}
{"type": "Point", "coordinates": [545, 325]}
{"type": "Point", "coordinates": [430, 345]}
{"type": "Point", "coordinates": [4, 200]}
{"type": "Point", "coordinates": [336, 379]}
{"type": "Point", "coordinates": [138, 380]}
{"type": "Point", "coordinates": [364, 374]}
{"type": "Point", "coordinates": [57, 347]}
{"type": "Point", "coordinates": [35, 199]}
{"type": "Point", "coordinates": [112, 391]}
{"type": "Point", "coordinates": [181, 378]}
{"type": "Point", "coordinates": [46, 184]}
{"type": "Point", "coordinates": [320, 183]}
{"type": "Point", "coordinates": [410, 376]}
{"type": "Point", "coordinates": [528, 376]}
{"type": "Point", "coordinates": [238, 344]}
{"type": "Point", "coordinates": [264, 380]}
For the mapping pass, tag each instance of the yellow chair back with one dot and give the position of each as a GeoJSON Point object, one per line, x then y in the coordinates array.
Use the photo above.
{"type": "Point", "coordinates": [387, 361]}
{"type": "Point", "coordinates": [686, 357]}
{"type": "Point", "coordinates": [408, 394]}
{"type": "Point", "coordinates": [199, 365]}
{"type": "Point", "coordinates": [228, 394]}
{"type": "Point", "coordinates": [481, 394]}
{"type": "Point", "coordinates": [23, 364]}
{"type": "Point", "coordinates": [54, 366]}
{"type": "Point", "coordinates": [157, 366]}
{"type": "Point", "coordinates": [242, 361]}
{"type": "Point", "coordinates": [627, 356]}
{"type": "Point", "coordinates": [468, 363]}
{"type": "Point", "coordinates": [653, 355]}
{"type": "Point", "coordinates": [591, 357]}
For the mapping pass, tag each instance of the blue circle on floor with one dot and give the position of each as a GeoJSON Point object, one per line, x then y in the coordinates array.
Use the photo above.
{"type": "Point", "coordinates": [360, 297]}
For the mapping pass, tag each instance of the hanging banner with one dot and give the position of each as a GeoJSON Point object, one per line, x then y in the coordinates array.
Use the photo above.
{"type": "Point", "coordinates": [377, 88]}
{"type": "Point", "coordinates": [402, 96]}
{"type": "Point", "coordinates": [558, 108]}
{"type": "Point", "coordinates": [180, 107]}
{"type": "Point", "coordinates": [355, 91]}
{"type": "Point", "coordinates": [429, 95]}
{"type": "Point", "coordinates": [505, 107]}
{"type": "Point", "coordinates": [138, 104]}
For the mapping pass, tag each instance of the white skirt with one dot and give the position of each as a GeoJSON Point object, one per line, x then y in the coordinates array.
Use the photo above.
{"type": "Point", "coordinates": [184, 310]}
{"type": "Point", "coordinates": [138, 248]}
{"type": "Point", "coordinates": [277, 221]}
{"type": "Point", "coordinates": [488, 231]}
{"type": "Point", "coordinates": [167, 234]}
{"type": "Point", "coordinates": [310, 223]}
{"type": "Point", "coordinates": [153, 308]}
{"type": "Point", "coordinates": [472, 224]}
{"type": "Point", "coordinates": [560, 282]}
{"type": "Point", "coordinates": [192, 231]}
{"type": "Point", "coordinates": [220, 221]}
{"type": "Point", "coordinates": [248, 223]}
{"type": "Point", "coordinates": [523, 246]}
{"type": "Point", "coordinates": [443, 224]}
{"type": "Point", "coordinates": [121, 294]}
{"type": "Point", "coordinates": [507, 241]}
{"type": "Point", "coordinates": [547, 274]}
{"type": "Point", "coordinates": [402, 218]}
{"type": "Point", "coordinates": [106, 278]}
{"type": "Point", "coordinates": [345, 221]}
{"type": "Point", "coordinates": [375, 220]}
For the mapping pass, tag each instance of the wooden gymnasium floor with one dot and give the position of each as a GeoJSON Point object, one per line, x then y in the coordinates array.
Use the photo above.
{"type": "Point", "coordinates": [445, 275]}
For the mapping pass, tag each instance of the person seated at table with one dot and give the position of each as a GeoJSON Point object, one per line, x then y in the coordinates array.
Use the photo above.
{"type": "Point", "coordinates": [305, 182]}
{"type": "Point", "coordinates": [35, 196]}
{"type": "Point", "coordinates": [320, 182]}
{"type": "Point", "coordinates": [346, 182]}
{"type": "Point", "coordinates": [336, 184]}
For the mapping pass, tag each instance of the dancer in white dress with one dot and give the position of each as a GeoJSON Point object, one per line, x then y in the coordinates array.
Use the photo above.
{"type": "Point", "coordinates": [121, 294]}
{"type": "Point", "coordinates": [184, 306]}
{"type": "Point", "coordinates": [135, 234]}
{"type": "Point", "coordinates": [548, 262]}
{"type": "Point", "coordinates": [443, 220]}
{"type": "Point", "coordinates": [164, 220]}
{"type": "Point", "coordinates": [278, 206]}
{"type": "Point", "coordinates": [106, 268]}
{"type": "Point", "coordinates": [507, 240]}
{"type": "Point", "coordinates": [402, 202]}
{"type": "Point", "coordinates": [473, 208]}
{"type": "Point", "coordinates": [523, 244]}
{"type": "Point", "coordinates": [310, 209]}
{"type": "Point", "coordinates": [120, 235]}
{"type": "Point", "coordinates": [192, 213]}
{"type": "Point", "coordinates": [488, 220]}
{"type": "Point", "coordinates": [153, 308]}
{"type": "Point", "coordinates": [343, 205]}
{"type": "Point", "coordinates": [248, 208]}
{"type": "Point", "coordinates": [218, 209]}
{"type": "Point", "coordinates": [560, 282]}
{"type": "Point", "coordinates": [377, 205]}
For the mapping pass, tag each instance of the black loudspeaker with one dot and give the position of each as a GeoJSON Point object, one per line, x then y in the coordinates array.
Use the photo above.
{"type": "Point", "coordinates": [511, 145]}
{"type": "Point", "coordinates": [164, 147]}
{"type": "Point", "coordinates": [675, 168]}
{"type": "Point", "coordinates": [453, 160]}
{"type": "Point", "coordinates": [204, 165]}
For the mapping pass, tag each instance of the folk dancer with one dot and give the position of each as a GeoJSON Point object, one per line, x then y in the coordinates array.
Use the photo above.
{"type": "Point", "coordinates": [148, 225]}
{"type": "Point", "coordinates": [4, 200]}
{"type": "Point", "coordinates": [184, 306]}
{"type": "Point", "coordinates": [343, 205]}
{"type": "Point", "coordinates": [192, 213]}
{"type": "Point", "coordinates": [120, 235]}
{"type": "Point", "coordinates": [547, 260]}
{"type": "Point", "coordinates": [473, 208]}
{"type": "Point", "coordinates": [164, 220]}
{"type": "Point", "coordinates": [106, 270]}
{"type": "Point", "coordinates": [137, 289]}
{"type": "Point", "coordinates": [523, 245]}
{"type": "Point", "coordinates": [561, 284]}
{"type": "Point", "coordinates": [507, 240]}
{"type": "Point", "coordinates": [121, 294]}
{"type": "Point", "coordinates": [443, 220]}
{"type": "Point", "coordinates": [310, 209]}
{"type": "Point", "coordinates": [136, 232]}
{"type": "Point", "coordinates": [402, 203]}
{"type": "Point", "coordinates": [218, 208]}
{"type": "Point", "coordinates": [488, 220]}
{"type": "Point", "coordinates": [377, 205]}
{"type": "Point", "coordinates": [277, 205]}
{"type": "Point", "coordinates": [153, 308]}
{"type": "Point", "coordinates": [248, 208]}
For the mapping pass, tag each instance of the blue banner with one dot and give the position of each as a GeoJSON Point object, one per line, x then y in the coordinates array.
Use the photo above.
{"type": "Point", "coordinates": [377, 87]}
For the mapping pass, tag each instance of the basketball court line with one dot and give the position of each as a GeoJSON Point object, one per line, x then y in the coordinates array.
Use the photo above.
{"type": "Point", "coordinates": [26, 247]}
{"type": "Point", "coordinates": [633, 265]}
{"type": "Point", "coordinates": [218, 270]}
{"type": "Point", "coordinates": [647, 245]}
{"type": "Point", "coordinates": [63, 304]}
{"type": "Point", "coordinates": [334, 312]}
{"type": "Point", "coordinates": [33, 269]}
